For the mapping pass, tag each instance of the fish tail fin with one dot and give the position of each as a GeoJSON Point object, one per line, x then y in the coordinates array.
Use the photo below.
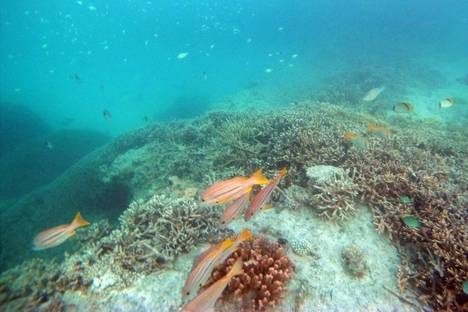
{"type": "Point", "coordinates": [236, 269]}
{"type": "Point", "coordinates": [283, 171]}
{"type": "Point", "coordinates": [259, 178]}
{"type": "Point", "coordinates": [245, 235]}
{"type": "Point", "coordinates": [78, 221]}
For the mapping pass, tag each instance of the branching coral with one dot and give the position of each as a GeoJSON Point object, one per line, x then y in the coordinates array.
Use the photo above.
{"type": "Point", "coordinates": [160, 229]}
{"type": "Point", "coordinates": [267, 271]}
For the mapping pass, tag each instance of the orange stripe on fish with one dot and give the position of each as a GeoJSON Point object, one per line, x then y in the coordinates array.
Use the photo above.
{"type": "Point", "coordinates": [236, 207]}
{"type": "Point", "coordinates": [264, 195]}
{"type": "Point", "coordinates": [57, 235]}
{"type": "Point", "coordinates": [210, 258]}
{"type": "Point", "coordinates": [205, 264]}
{"type": "Point", "coordinates": [227, 190]}
{"type": "Point", "coordinates": [206, 300]}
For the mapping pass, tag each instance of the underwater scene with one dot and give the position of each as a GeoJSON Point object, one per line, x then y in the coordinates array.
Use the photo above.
{"type": "Point", "coordinates": [221, 156]}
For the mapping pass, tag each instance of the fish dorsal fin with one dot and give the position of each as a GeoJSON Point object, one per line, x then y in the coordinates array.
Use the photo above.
{"type": "Point", "coordinates": [79, 221]}
{"type": "Point", "coordinates": [259, 178]}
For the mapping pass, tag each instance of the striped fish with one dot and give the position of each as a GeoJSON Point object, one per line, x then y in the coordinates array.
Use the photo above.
{"type": "Point", "coordinates": [262, 197]}
{"type": "Point", "coordinates": [225, 191]}
{"type": "Point", "coordinates": [206, 301]}
{"type": "Point", "coordinates": [57, 235]}
{"type": "Point", "coordinates": [210, 258]}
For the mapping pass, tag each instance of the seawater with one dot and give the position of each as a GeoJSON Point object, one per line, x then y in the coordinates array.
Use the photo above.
{"type": "Point", "coordinates": [74, 75]}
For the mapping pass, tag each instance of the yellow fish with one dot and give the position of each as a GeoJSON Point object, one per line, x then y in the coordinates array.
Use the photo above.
{"type": "Point", "coordinates": [57, 235]}
{"type": "Point", "coordinates": [210, 258]}
{"type": "Point", "coordinates": [205, 301]}
{"type": "Point", "coordinates": [225, 191]}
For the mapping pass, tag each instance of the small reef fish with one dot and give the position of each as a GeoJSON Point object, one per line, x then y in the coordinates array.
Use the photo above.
{"type": "Point", "coordinates": [227, 190]}
{"type": "Point", "coordinates": [379, 130]}
{"type": "Point", "coordinates": [106, 114]}
{"type": "Point", "coordinates": [403, 107]}
{"type": "Point", "coordinates": [372, 94]}
{"type": "Point", "coordinates": [49, 145]}
{"type": "Point", "coordinates": [262, 197]}
{"type": "Point", "coordinates": [210, 258]}
{"type": "Point", "coordinates": [235, 208]}
{"type": "Point", "coordinates": [446, 103]}
{"type": "Point", "coordinates": [57, 235]}
{"type": "Point", "coordinates": [182, 55]}
{"type": "Point", "coordinates": [355, 139]}
{"type": "Point", "coordinates": [205, 301]}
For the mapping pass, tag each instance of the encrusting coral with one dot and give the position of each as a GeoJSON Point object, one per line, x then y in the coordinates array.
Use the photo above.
{"type": "Point", "coordinates": [263, 283]}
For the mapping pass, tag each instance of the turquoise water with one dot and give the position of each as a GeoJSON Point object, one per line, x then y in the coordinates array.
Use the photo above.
{"type": "Point", "coordinates": [125, 53]}
{"type": "Point", "coordinates": [90, 91]}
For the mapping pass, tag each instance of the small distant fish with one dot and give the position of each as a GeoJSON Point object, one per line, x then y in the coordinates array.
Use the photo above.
{"type": "Point", "coordinates": [106, 114]}
{"type": "Point", "coordinates": [57, 235]}
{"type": "Point", "coordinates": [262, 197]}
{"type": "Point", "coordinates": [372, 94]}
{"type": "Point", "coordinates": [446, 103]}
{"type": "Point", "coordinates": [403, 107]}
{"type": "Point", "coordinates": [224, 191]}
{"type": "Point", "coordinates": [294, 56]}
{"type": "Point", "coordinates": [49, 145]}
{"type": "Point", "coordinates": [145, 118]}
{"type": "Point", "coordinates": [75, 77]}
{"type": "Point", "coordinates": [182, 55]}
{"type": "Point", "coordinates": [205, 76]}
{"type": "Point", "coordinates": [206, 300]}
{"type": "Point", "coordinates": [92, 8]}
{"type": "Point", "coordinates": [355, 139]}
{"type": "Point", "coordinates": [268, 70]}
{"type": "Point", "coordinates": [209, 259]}
{"type": "Point", "coordinates": [379, 130]}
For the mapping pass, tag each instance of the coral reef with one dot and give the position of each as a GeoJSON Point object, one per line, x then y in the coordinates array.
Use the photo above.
{"type": "Point", "coordinates": [423, 161]}
{"type": "Point", "coordinates": [354, 261]}
{"type": "Point", "coordinates": [267, 271]}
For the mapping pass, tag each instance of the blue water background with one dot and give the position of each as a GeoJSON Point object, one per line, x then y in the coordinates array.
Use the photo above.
{"type": "Point", "coordinates": [125, 52]}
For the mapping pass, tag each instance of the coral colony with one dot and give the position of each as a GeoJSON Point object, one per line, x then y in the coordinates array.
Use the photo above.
{"type": "Point", "coordinates": [414, 179]}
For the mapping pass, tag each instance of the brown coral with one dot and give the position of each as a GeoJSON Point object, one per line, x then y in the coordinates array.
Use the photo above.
{"type": "Point", "coordinates": [267, 271]}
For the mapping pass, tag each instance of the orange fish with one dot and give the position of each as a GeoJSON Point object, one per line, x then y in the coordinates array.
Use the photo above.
{"type": "Point", "coordinates": [379, 130]}
{"type": "Point", "coordinates": [355, 139]}
{"type": "Point", "coordinates": [57, 235]}
{"type": "Point", "coordinates": [205, 301]}
{"type": "Point", "coordinates": [210, 258]}
{"type": "Point", "coordinates": [235, 208]}
{"type": "Point", "coordinates": [227, 190]}
{"type": "Point", "coordinates": [264, 195]}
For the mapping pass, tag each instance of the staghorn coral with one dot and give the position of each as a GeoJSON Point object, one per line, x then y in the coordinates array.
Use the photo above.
{"type": "Point", "coordinates": [330, 192]}
{"type": "Point", "coordinates": [150, 234]}
{"type": "Point", "coordinates": [405, 166]}
{"type": "Point", "coordinates": [354, 261]}
{"type": "Point", "coordinates": [267, 271]}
